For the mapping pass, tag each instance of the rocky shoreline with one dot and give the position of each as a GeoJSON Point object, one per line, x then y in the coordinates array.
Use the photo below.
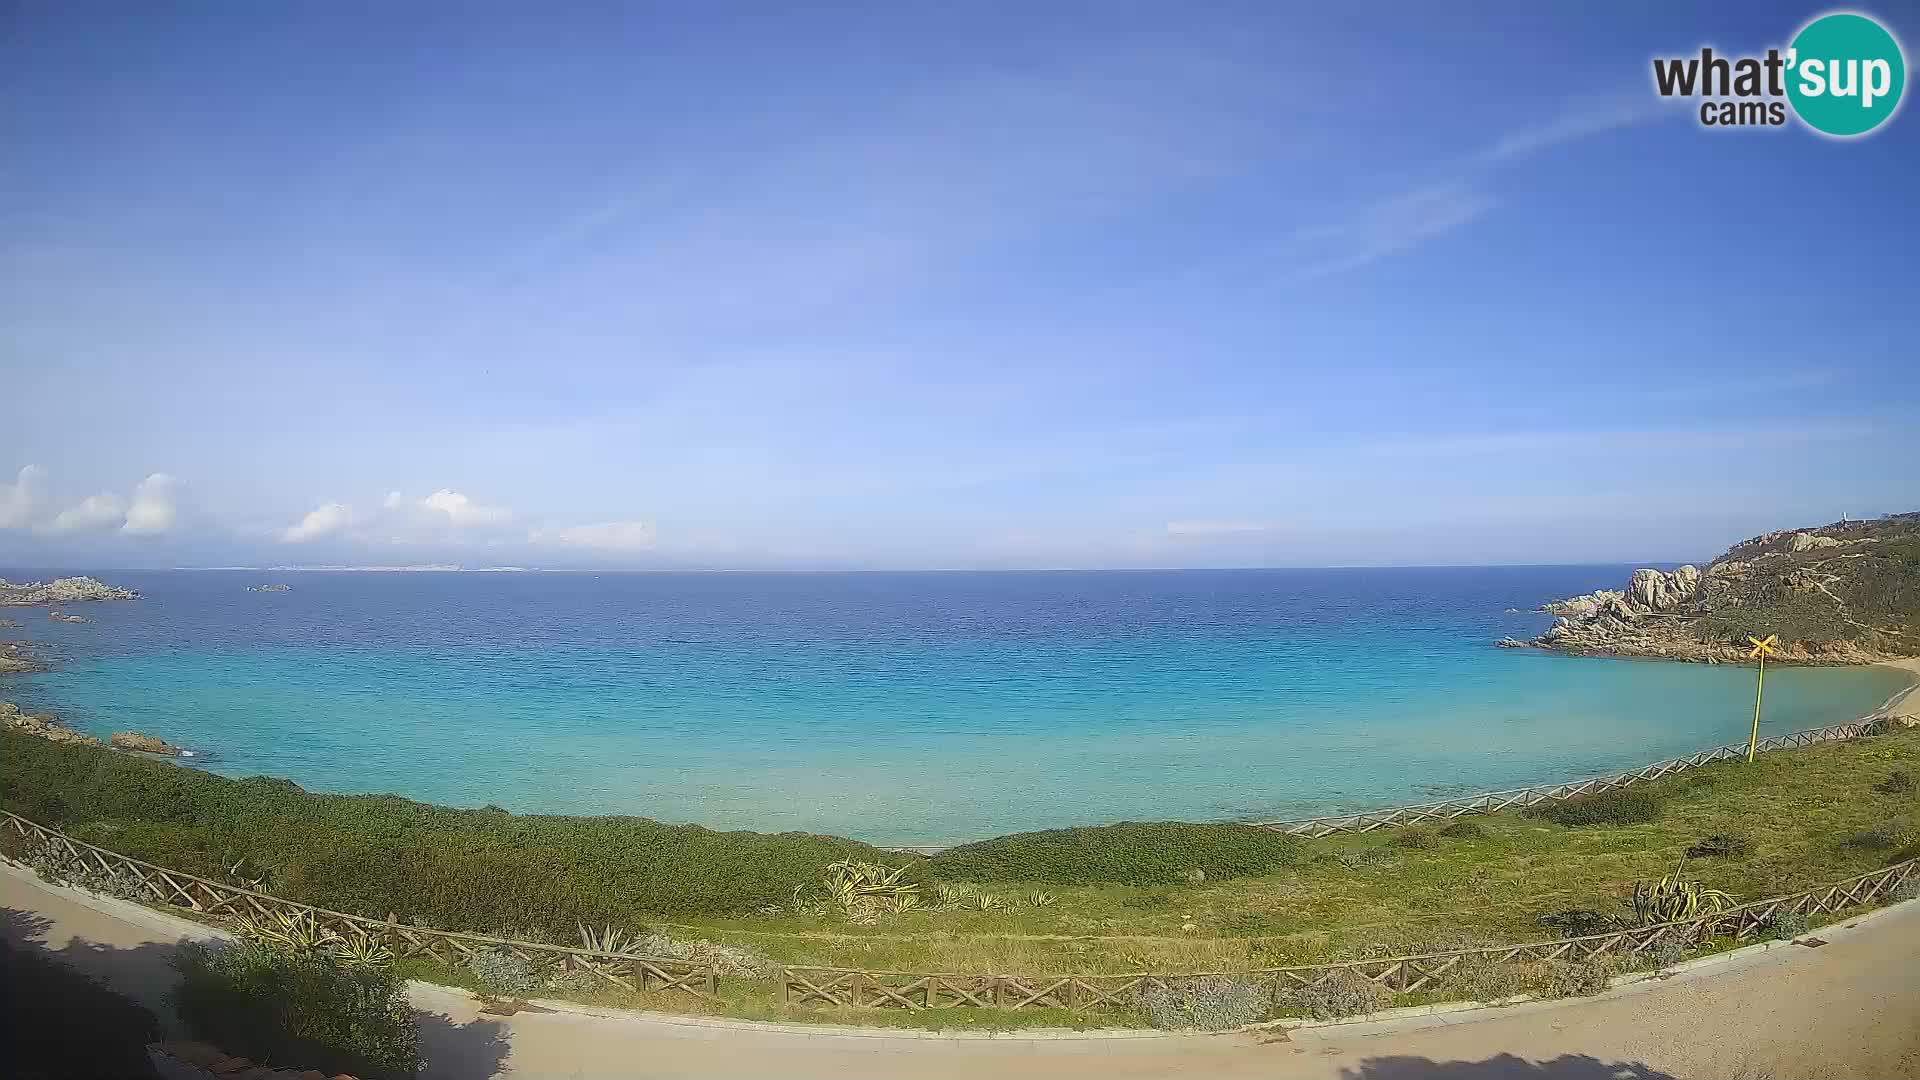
{"type": "Point", "coordinates": [70, 590]}
{"type": "Point", "coordinates": [1790, 578]}
{"type": "Point", "coordinates": [46, 726]}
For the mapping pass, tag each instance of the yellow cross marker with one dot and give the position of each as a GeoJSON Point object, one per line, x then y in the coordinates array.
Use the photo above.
{"type": "Point", "coordinates": [1762, 648]}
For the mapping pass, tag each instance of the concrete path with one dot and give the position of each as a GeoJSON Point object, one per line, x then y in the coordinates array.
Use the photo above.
{"type": "Point", "coordinates": [1850, 1008]}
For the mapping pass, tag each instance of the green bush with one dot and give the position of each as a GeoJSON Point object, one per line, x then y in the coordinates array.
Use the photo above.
{"type": "Point", "coordinates": [1898, 782]}
{"type": "Point", "coordinates": [502, 973]}
{"type": "Point", "coordinates": [1131, 853]}
{"type": "Point", "coordinates": [1413, 839]}
{"type": "Point", "coordinates": [468, 870]}
{"type": "Point", "coordinates": [297, 1009]}
{"type": "Point", "coordinates": [1466, 830]}
{"type": "Point", "coordinates": [1782, 925]}
{"type": "Point", "coordinates": [1621, 806]}
{"type": "Point", "coordinates": [1880, 837]}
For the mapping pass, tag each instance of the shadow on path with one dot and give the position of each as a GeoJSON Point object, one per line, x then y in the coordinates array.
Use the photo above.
{"type": "Point", "coordinates": [1501, 1067]}
{"type": "Point", "coordinates": [60, 1019]}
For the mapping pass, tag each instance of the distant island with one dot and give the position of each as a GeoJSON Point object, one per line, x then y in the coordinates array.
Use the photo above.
{"type": "Point", "coordinates": [1845, 593]}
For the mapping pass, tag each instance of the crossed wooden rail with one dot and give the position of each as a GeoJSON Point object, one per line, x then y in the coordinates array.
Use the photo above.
{"type": "Point", "coordinates": [921, 990]}
{"type": "Point", "coordinates": [1492, 802]}
{"type": "Point", "coordinates": [176, 889]}
{"type": "Point", "coordinates": [924, 990]}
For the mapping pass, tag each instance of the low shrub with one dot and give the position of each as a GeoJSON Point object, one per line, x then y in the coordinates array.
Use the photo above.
{"type": "Point", "coordinates": [1131, 853]}
{"type": "Point", "coordinates": [1898, 782]}
{"type": "Point", "coordinates": [1882, 837]}
{"type": "Point", "coordinates": [1413, 839]}
{"type": "Point", "coordinates": [1782, 925]}
{"type": "Point", "coordinates": [1466, 830]}
{"type": "Point", "coordinates": [725, 959]}
{"type": "Point", "coordinates": [1340, 994]}
{"type": "Point", "coordinates": [1907, 890]}
{"type": "Point", "coordinates": [502, 973]}
{"type": "Point", "coordinates": [1578, 978]}
{"type": "Point", "coordinates": [1483, 978]}
{"type": "Point", "coordinates": [1621, 806]}
{"type": "Point", "coordinates": [297, 1009]}
{"type": "Point", "coordinates": [1666, 952]}
{"type": "Point", "coordinates": [1719, 846]}
{"type": "Point", "coordinates": [1212, 1003]}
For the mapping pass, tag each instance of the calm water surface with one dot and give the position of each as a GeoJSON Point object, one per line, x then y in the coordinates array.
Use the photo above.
{"type": "Point", "coordinates": [901, 708]}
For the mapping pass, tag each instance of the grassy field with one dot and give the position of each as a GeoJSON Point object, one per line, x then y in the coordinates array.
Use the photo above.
{"type": "Point", "coordinates": [1138, 897]}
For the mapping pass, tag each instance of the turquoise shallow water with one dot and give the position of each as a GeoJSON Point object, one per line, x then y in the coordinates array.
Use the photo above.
{"type": "Point", "coordinates": [900, 708]}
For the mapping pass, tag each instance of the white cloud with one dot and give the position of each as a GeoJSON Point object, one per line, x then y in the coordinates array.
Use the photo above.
{"type": "Point", "coordinates": [94, 512]}
{"type": "Point", "coordinates": [20, 500]}
{"type": "Point", "coordinates": [155, 507]}
{"type": "Point", "coordinates": [321, 521]}
{"type": "Point", "coordinates": [608, 536]}
{"type": "Point", "coordinates": [449, 507]}
{"type": "Point", "coordinates": [1203, 528]}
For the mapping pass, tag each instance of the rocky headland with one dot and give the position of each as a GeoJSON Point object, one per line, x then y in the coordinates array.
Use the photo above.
{"type": "Point", "coordinates": [1846, 593]}
{"type": "Point", "coordinates": [70, 590]}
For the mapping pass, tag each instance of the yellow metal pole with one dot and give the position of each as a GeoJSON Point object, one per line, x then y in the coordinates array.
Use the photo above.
{"type": "Point", "coordinates": [1759, 687]}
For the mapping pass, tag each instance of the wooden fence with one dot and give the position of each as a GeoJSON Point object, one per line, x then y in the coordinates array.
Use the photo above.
{"type": "Point", "coordinates": [921, 990]}
{"type": "Point", "coordinates": [1492, 802]}
{"type": "Point", "coordinates": [1400, 974]}
{"type": "Point", "coordinates": [175, 889]}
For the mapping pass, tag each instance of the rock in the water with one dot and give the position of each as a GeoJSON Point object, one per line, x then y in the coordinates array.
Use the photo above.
{"type": "Point", "coordinates": [269, 588]}
{"type": "Point", "coordinates": [9, 624]}
{"type": "Point", "coordinates": [1511, 643]}
{"type": "Point", "coordinates": [60, 616]}
{"type": "Point", "coordinates": [70, 590]}
{"type": "Point", "coordinates": [133, 740]}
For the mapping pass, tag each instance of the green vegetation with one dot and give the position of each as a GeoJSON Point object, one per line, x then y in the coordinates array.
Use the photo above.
{"type": "Point", "coordinates": [299, 1008]}
{"type": "Point", "coordinates": [1125, 898]}
{"type": "Point", "coordinates": [1865, 592]}
{"type": "Point", "coordinates": [1621, 806]}
{"type": "Point", "coordinates": [1131, 853]}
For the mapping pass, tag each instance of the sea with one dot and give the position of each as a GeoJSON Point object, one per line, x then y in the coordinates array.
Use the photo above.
{"type": "Point", "coordinates": [911, 709]}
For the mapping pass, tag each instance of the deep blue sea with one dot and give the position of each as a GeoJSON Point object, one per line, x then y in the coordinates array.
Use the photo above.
{"type": "Point", "coordinates": [906, 708]}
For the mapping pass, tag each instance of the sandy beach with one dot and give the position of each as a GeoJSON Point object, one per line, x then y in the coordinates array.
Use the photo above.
{"type": "Point", "coordinates": [1904, 705]}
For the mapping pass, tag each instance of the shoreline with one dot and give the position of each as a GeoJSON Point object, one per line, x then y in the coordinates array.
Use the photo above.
{"type": "Point", "coordinates": [1904, 705]}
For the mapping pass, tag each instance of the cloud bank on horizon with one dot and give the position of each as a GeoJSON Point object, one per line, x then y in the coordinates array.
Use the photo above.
{"type": "Point", "coordinates": [923, 288]}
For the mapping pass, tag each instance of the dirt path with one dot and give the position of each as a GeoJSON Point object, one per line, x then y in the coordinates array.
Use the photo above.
{"type": "Point", "coordinates": [1850, 1008]}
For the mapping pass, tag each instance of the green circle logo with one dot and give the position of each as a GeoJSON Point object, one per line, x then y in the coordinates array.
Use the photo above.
{"type": "Point", "coordinates": [1845, 74]}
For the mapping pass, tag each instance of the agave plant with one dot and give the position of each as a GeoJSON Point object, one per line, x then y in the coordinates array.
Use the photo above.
{"type": "Point", "coordinates": [986, 901]}
{"type": "Point", "coordinates": [1674, 899]}
{"type": "Point", "coordinates": [859, 891]}
{"type": "Point", "coordinates": [360, 949]}
{"type": "Point", "coordinates": [299, 930]}
{"type": "Point", "coordinates": [610, 939]}
{"type": "Point", "coordinates": [951, 896]}
{"type": "Point", "coordinates": [1041, 899]}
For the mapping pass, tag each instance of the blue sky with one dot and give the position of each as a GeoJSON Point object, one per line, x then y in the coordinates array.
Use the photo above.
{"type": "Point", "coordinates": [895, 286]}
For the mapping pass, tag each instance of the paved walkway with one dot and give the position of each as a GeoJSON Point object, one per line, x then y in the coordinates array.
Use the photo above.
{"type": "Point", "coordinates": [1850, 1008]}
